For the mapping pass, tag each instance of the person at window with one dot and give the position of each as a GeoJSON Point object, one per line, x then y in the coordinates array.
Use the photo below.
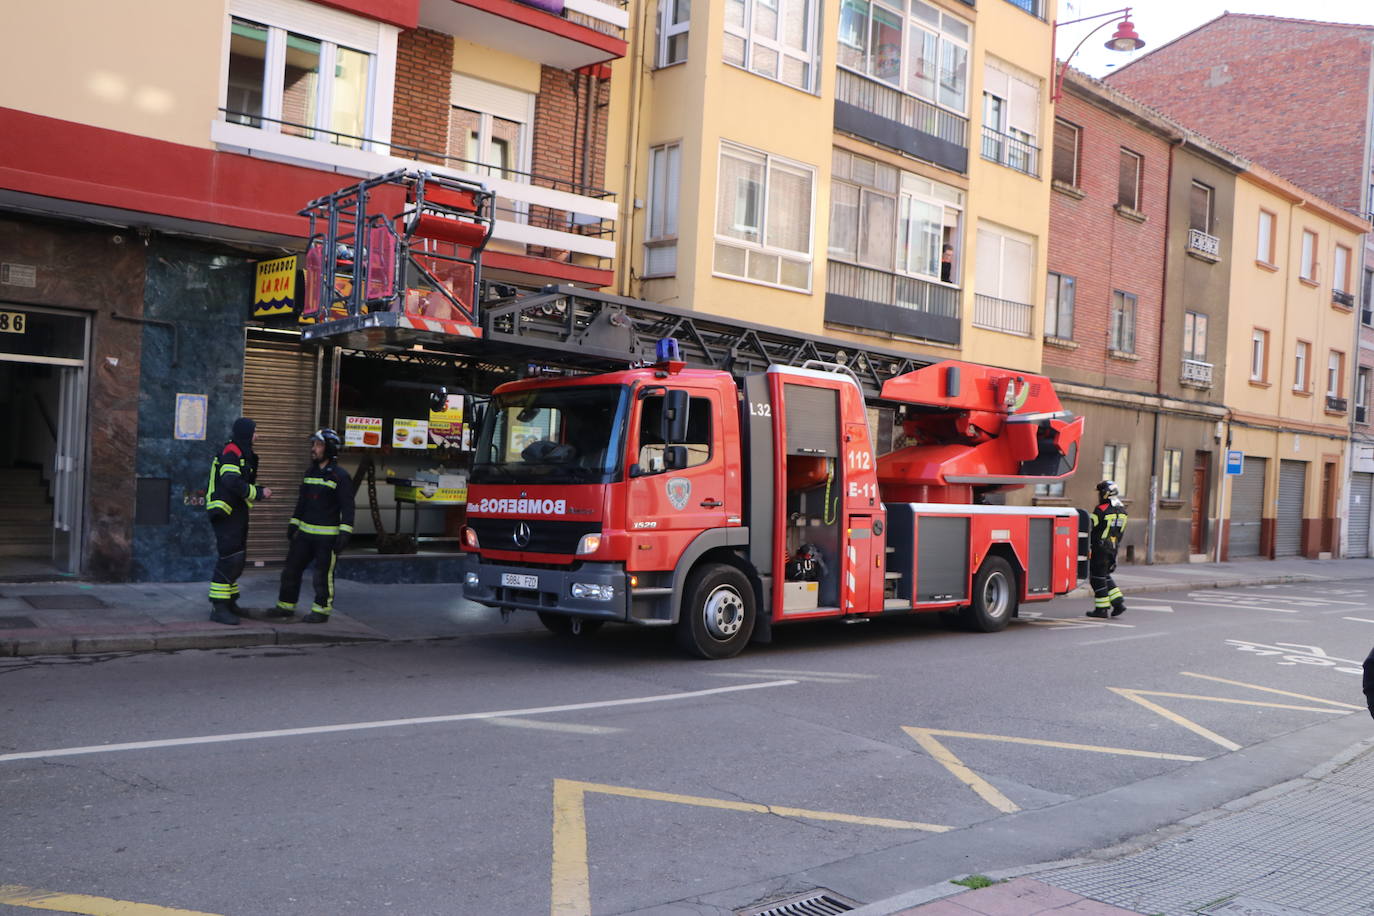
{"type": "Point", "coordinates": [947, 264]}
{"type": "Point", "coordinates": [318, 530]}
{"type": "Point", "coordinates": [229, 495]}
{"type": "Point", "coordinates": [1108, 522]}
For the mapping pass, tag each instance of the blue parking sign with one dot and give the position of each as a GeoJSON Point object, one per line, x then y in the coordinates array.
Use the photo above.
{"type": "Point", "coordinates": [1235, 462]}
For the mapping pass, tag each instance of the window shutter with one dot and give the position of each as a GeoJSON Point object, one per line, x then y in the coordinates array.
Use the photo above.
{"type": "Point", "coordinates": [1129, 180]}
{"type": "Point", "coordinates": [1025, 107]}
{"type": "Point", "coordinates": [491, 98]}
{"type": "Point", "coordinates": [988, 264]}
{"type": "Point", "coordinates": [1199, 208]}
{"type": "Point", "coordinates": [1065, 153]}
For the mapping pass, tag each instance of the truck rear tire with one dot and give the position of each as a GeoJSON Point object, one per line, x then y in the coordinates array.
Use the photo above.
{"type": "Point", "coordinates": [718, 612]}
{"type": "Point", "coordinates": [994, 597]}
{"type": "Point", "coordinates": [571, 627]}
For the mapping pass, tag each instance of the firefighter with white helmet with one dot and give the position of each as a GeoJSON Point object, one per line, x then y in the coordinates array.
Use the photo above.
{"type": "Point", "coordinates": [1108, 526]}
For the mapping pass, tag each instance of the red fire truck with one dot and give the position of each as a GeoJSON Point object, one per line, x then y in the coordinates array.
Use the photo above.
{"type": "Point", "coordinates": [662, 495]}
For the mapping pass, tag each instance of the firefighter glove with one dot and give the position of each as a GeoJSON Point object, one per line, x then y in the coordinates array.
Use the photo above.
{"type": "Point", "coordinates": [340, 541]}
{"type": "Point", "coordinates": [291, 533]}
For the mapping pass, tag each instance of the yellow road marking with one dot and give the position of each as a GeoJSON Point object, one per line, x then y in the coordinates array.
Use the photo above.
{"type": "Point", "coordinates": [1135, 697]}
{"type": "Point", "coordinates": [32, 898]}
{"type": "Point", "coordinates": [1286, 693]}
{"type": "Point", "coordinates": [571, 885]}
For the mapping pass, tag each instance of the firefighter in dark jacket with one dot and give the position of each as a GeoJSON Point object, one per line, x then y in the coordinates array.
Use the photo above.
{"type": "Point", "coordinates": [1369, 680]}
{"type": "Point", "coordinates": [318, 530]}
{"type": "Point", "coordinates": [1108, 526]}
{"type": "Point", "coordinates": [229, 495]}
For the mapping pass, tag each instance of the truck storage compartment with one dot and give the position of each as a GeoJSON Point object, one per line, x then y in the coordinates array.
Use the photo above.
{"type": "Point", "coordinates": [942, 558]}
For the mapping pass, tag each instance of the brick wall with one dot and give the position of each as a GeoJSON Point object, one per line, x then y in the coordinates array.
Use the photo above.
{"type": "Point", "coordinates": [1287, 93]}
{"type": "Point", "coordinates": [424, 68]}
{"type": "Point", "coordinates": [560, 114]}
{"type": "Point", "coordinates": [1106, 251]}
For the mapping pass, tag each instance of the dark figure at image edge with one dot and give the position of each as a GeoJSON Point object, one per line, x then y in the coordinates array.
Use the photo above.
{"type": "Point", "coordinates": [229, 495]}
{"type": "Point", "coordinates": [1108, 523]}
{"type": "Point", "coordinates": [318, 531]}
{"type": "Point", "coordinates": [1369, 681]}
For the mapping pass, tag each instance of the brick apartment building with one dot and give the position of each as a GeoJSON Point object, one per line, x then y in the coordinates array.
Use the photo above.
{"type": "Point", "coordinates": [1294, 96]}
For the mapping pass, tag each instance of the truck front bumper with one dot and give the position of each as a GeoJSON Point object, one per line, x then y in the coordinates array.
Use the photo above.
{"type": "Point", "coordinates": [490, 583]}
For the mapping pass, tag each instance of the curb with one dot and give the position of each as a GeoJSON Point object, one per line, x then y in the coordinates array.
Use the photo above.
{"type": "Point", "coordinates": [170, 641]}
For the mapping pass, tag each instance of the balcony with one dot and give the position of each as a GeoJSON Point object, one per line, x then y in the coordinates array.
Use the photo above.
{"type": "Point", "coordinates": [1014, 153]}
{"type": "Point", "coordinates": [554, 219]}
{"type": "Point", "coordinates": [566, 34]}
{"type": "Point", "coordinates": [1195, 374]}
{"type": "Point", "coordinates": [876, 111]}
{"type": "Point", "coordinates": [1342, 298]}
{"type": "Point", "coordinates": [1204, 246]}
{"type": "Point", "coordinates": [1034, 7]}
{"type": "Point", "coordinates": [1335, 404]}
{"type": "Point", "coordinates": [878, 300]}
{"type": "Point", "coordinates": [1005, 315]}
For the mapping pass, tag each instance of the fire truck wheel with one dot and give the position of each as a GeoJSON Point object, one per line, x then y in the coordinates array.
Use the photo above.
{"type": "Point", "coordinates": [718, 613]}
{"type": "Point", "coordinates": [574, 627]}
{"type": "Point", "coordinates": [994, 596]}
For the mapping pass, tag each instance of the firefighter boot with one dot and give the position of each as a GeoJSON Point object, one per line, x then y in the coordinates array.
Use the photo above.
{"type": "Point", "coordinates": [315, 617]}
{"type": "Point", "coordinates": [281, 612]}
{"type": "Point", "coordinates": [1097, 612]}
{"type": "Point", "coordinates": [1118, 609]}
{"type": "Point", "coordinates": [222, 612]}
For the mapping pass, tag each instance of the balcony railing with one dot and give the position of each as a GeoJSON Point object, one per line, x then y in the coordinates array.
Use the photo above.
{"type": "Point", "coordinates": [555, 218]}
{"type": "Point", "coordinates": [1342, 298]}
{"type": "Point", "coordinates": [1196, 373]}
{"type": "Point", "coordinates": [887, 102]}
{"type": "Point", "coordinates": [1203, 243]}
{"type": "Point", "coordinates": [1335, 404]}
{"type": "Point", "coordinates": [1010, 151]}
{"type": "Point", "coordinates": [1002, 315]}
{"type": "Point", "coordinates": [1034, 7]}
{"type": "Point", "coordinates": [885, 301]}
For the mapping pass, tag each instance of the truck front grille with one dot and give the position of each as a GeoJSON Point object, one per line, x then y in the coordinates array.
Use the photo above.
{"type": "Point", "coordinates": [545, 536]}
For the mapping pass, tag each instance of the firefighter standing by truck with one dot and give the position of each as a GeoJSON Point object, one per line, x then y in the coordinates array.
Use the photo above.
{"type": "Point", "coordinates": [229, 495]}
{"type": "Point", "coordinates": [1108, 526]}
{"type": "Point", "coordinates": [319, 529]}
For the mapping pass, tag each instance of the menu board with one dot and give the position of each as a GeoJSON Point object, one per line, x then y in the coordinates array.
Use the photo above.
{"type": "Point", "coordinates": [409, 433]}
{"type": "Point", "coordinates": [446, 426]}
{"type": "Point", "coordinates": [363, 432]}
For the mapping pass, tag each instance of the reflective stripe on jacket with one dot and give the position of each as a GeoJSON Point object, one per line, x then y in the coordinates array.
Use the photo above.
{"type": "Point", "coordinates": [233, 481]}
{"type": "Point", "coordinates": [325, 503]}
{"type": "Point", "coordinates": [1108, 523]}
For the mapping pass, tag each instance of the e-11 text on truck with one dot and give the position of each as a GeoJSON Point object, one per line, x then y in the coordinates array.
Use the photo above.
{"type": "Point", "coordinates": [660, 495]}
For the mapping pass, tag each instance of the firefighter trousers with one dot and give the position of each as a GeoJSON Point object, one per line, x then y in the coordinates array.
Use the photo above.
{"type": "Point", "coordinates": [306, 549]}
{"type": "Point", "coordinates": [1101, 562]}
{"type": "Point", "coordinates": [231, 547]}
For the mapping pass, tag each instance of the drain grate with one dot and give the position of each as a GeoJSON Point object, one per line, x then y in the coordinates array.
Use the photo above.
{"type": "Point", "coordinates": [63, 602]}
{"type": "Point", "coordinates": [16, 623]}
{"type": "Point", "coordinates": [819, 902]}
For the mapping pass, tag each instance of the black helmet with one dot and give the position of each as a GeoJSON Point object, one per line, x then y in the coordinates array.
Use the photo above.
{"type": "Point", "coordinates": [1107, 488]}
{"type": "Point", "coordinates": [331, 440]}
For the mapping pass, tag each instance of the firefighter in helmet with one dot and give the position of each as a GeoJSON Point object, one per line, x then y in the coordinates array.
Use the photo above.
{"type": "Point", "coordinates": [231, 492]}
{"type": "Point", "coordinates": [318, 530]}
{"type": "Point", "coordinates": [1108, 523]}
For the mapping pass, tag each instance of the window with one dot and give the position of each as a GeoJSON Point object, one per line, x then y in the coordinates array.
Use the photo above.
{"type": "Point", "coordinates": [1265, 250]}
{"type": "Point", "coordinates": [1302, 369]}
{"type": "Point", "coordinates": [1340, 273]}
{"type": "Point", "coordinates": [1259, 355]}
{"type": "Point", "coordinates": [698, 444]}
{"type": "Point", "coordinates": [1114, 461]}
{"type": "Point", "coordinates": [763, 218]}
{"type": "Point", "coordinates": [489, 134]}
{"type": "Point", "coordinates": [1066, 141]}
{"type": "Point", "coordinates": [1335, 369]}
{"type": "Point", "coordinates": [1011, 115]}
{"type": "Point", "coordinates": [1173, 474]}
{"type": "Point", "coordinates": [1362, 395]}
{"type": "Point", "coordinates": [1054, 489]}
{"type": "Point", "coordinates": [1121, 335]}
{"type": "Point", "coordinates": [674, 22]}
{"type": "Point", "coordinates": [1195, 336]}
{"type": "Point", "coordinates": [1128, 182]}
{"type": "Point", "coordinates": [303, 84]}
{"type": "Point", "coordinates": [1366, 302]}
{"type": "Point", "coordinates": [660, 235]}
{"type": "Point", "coordinates": [1003, 264]}
{"type": "Point", "coordinates": [1200, 208]}
{"type": "Point", "coordinates": [923, 52]}
{"type": "Point", "coordinates": [888, 219]}
{"type": "Point", "coordinates": [1308, 269]}
{"type": "Point", "coordinates": [776, 39]}
{"type": "Point", "coordinates": [1059, 307]}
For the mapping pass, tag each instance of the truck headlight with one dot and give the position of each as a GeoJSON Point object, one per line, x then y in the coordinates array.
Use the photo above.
{"type": "Point", "coordinates": [590, 543]}
{"type": "Point", "coordinates": [593, 590]}
{"type": "Point", "coordinates": [471, 580]}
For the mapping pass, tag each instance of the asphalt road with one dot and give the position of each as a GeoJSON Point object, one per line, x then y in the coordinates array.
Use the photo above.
{"type": "Point", "coordinates": [519, 774]}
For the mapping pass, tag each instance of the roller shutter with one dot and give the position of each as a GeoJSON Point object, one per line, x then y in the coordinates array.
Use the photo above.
{"type": "Point", "coordinates": [279, 392]}
{"type": "Point", "coordinates": [1361, 495]}
{"type": "Point", "coordinates": [1288, 524]}
{"type": "Point", "coordinates": [1247, 507]}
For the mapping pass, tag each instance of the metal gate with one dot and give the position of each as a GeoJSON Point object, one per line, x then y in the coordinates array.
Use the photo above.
{"type": "Point", "coordinates": [279, 393]}
{"type": "Point", "coordinates": [1288, 523]}
{"type": "Point", "coordinates": [1247, 508]}
{"type": "Point", "coordinates": [1361, 502]}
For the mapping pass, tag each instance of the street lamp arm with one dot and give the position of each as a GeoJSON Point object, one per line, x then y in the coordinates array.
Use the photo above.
{"type": "Point", "coordinates": [1123, 15]}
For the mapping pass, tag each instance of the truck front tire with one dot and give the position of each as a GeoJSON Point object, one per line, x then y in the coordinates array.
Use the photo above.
{"type": "Point", "coordinates": [994, 596]}
{"type": "Point", "coordinates": [717, 613]}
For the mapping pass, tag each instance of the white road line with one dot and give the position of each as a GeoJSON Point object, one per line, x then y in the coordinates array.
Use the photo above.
{"type": "Point", "coordinates": [795, 677]}
{"type": "Point", "coordinates": [788, 672]}
{"type": "Point", "coordinates": [1359, 619]}
{"type": "Point", "coordinates": [1158, 608]}
{"type": "Point", "coordinates": [1299, 599]}
{"type": "Point", "coordinates": [1098, 642]}
{"type": "Point", "coordinates": [1239, 607]}
{"type": "Point", "coordinates": [569, 727]}
{"type": "Point", "coordinates": [385, 723]}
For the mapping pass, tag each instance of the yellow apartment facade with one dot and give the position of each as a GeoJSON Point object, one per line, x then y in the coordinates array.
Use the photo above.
{"type": "Point", "coordinates": [866, 171]}
{"type": "Point", "coordinates": [1287, 383]}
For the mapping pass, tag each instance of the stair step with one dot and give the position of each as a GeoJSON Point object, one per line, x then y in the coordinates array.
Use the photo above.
{"type": "Point", "coordinates": [889, 603]}
{"type": "Point", "coordinates": [892, 575]}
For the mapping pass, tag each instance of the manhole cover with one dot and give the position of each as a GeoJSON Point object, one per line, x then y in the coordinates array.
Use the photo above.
{"type": "Point", "coordinates": [819, 902]}
{"type": "Point", "coordinates": [63, 602]}
{"type": "Point", "coordinates": [16, 623]}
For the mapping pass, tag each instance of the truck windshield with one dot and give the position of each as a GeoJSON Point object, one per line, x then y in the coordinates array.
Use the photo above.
{"type": "Point", "coordinates": [553, 435]}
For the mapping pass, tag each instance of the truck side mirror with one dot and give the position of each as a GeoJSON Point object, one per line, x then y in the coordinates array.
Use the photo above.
{"type": "Point", "coordinates": [674, 457]}
{"type": "Point", "coordinates": [675, 416]}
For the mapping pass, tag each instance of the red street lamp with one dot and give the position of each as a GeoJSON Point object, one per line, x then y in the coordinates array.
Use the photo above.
{"type": "Point", "coordinates": [1123, 39]}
